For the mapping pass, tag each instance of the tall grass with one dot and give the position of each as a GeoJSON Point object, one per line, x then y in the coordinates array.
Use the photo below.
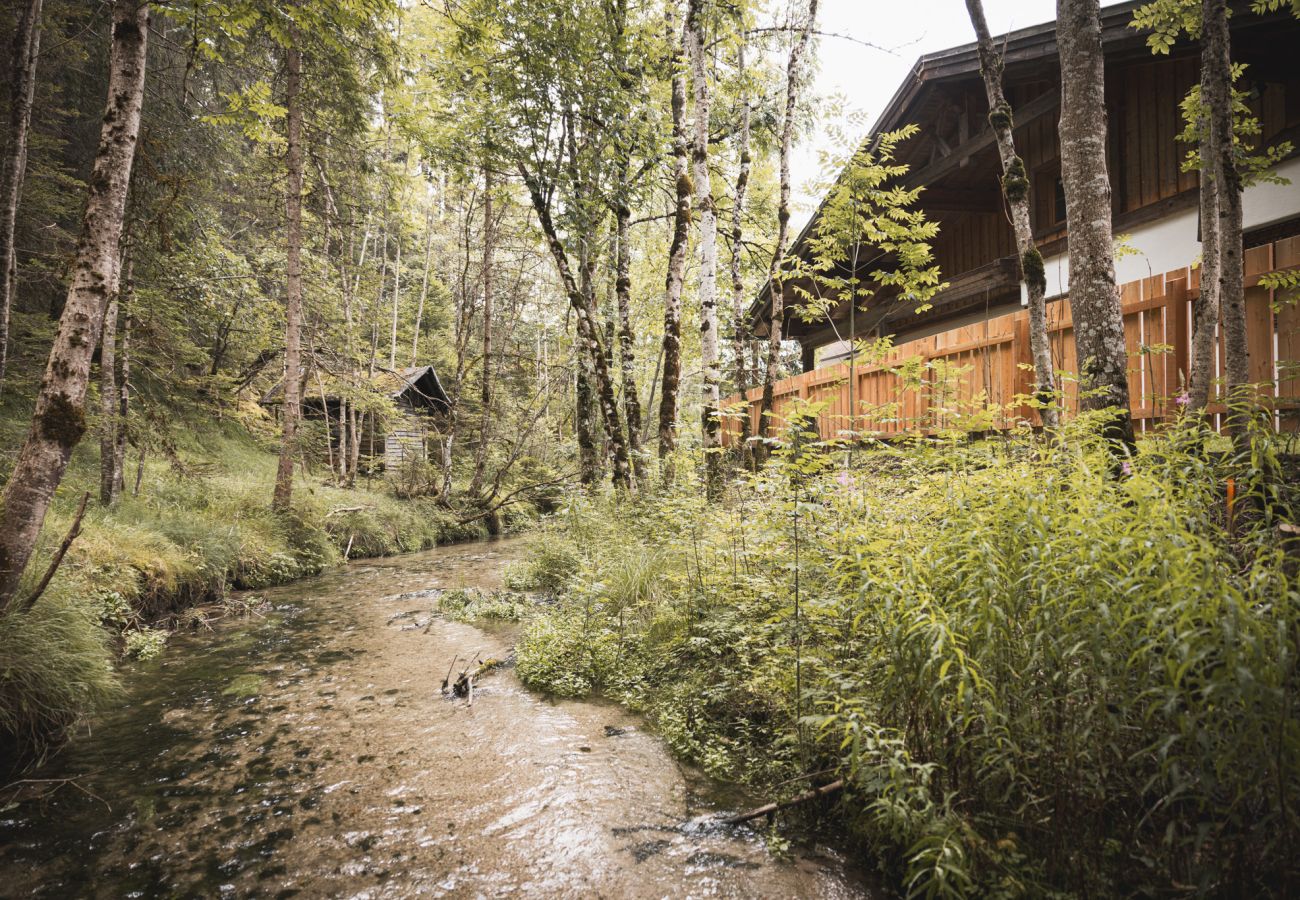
{"type": "Point", "coordinates": [1035, 676]}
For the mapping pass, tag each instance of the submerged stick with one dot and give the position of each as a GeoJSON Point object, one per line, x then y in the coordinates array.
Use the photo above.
{"type": "Point", "coordinates": [768, 809]}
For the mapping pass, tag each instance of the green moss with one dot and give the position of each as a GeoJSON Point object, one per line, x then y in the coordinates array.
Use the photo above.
{"type": "Point", "coordinates": [62, 421]}
{"type": "Point", "coordinates": [1000, 116]}
{"type": "Point", "coordinates": [1015, 181]}
{"type": "Point", "coordinates": [1031, 264]}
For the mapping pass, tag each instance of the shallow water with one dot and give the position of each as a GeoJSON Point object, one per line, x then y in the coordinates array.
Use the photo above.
{"type": "Point", "coordinates": [309, 752]}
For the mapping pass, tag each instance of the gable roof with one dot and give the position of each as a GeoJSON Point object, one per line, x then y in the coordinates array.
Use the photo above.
{"type": "Point", "coordinates": [418, 386]}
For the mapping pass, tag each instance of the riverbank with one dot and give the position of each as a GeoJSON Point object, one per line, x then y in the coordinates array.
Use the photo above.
{"type": "Point", "coordinates": [1035, 675]}
{"type": "Point", "coordinates": [310, 750]}
{"type": "Point", "coordinates": [198, 526]}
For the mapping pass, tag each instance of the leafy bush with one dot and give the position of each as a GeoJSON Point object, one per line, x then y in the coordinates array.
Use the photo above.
{"type": "Point", "coordinates": [1035, 674]}
{"type": "Point", "coordinates": [476, 606]}
{"type": "Point", "coordinates": [144, 643]}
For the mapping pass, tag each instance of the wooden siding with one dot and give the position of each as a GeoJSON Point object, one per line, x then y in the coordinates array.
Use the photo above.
{"type": "Point", "coordinates": [979, 375]}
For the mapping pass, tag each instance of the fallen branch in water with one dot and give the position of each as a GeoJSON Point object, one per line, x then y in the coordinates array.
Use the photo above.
{"type": "Point", "coordinates": [768, 809]}
{"type": "Point", "coordinates": [463, 686]}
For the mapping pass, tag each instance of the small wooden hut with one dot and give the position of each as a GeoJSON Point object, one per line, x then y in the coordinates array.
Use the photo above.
{"type": "Point", "coordinates": [418, 396]}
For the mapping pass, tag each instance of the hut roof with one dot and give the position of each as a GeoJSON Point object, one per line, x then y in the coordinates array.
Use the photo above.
{"type": "Point", "coordinates": [416, 386]}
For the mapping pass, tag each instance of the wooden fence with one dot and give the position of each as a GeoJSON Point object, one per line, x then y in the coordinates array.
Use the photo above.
{"type": "Point", "coordinates": [978, 376]}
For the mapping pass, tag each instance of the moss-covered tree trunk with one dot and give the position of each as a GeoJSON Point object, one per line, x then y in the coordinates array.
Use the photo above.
{"type": "Point", "coordinates": [1094, 296]}
{"type": "Point", "coordinates": [59, 420]}
{"type": "Point", "coordinates": [1015, 187]}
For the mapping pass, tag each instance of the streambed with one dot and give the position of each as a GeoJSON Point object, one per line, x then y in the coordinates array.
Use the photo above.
{"type": "Point", "coordinates": [309, 752]}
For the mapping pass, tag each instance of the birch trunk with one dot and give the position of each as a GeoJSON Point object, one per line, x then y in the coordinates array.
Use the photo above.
{"type": "Point", "coordinates": [293, 280]}
{"type": "Point", "coordinates": [485, 417]}
{"type": "Point", "coordinates": [738, 337]}
{"type": "Point", "coordinates": [672, 343]}
{"type": "Point", "coordinates": [711, 391]}
{"type": "Point", "coordinates": [22, 87]}
{"type": "Point", "coordinates": [776, 288]}
{"type": "Point", "coordinates": [1216, 80]}
{"type": "Point", "coordinates": [59, 420]}
{"type": "Point", "coordinates": [1015, 188]}
{"type": "Point", "coordinates": [1094, 297]}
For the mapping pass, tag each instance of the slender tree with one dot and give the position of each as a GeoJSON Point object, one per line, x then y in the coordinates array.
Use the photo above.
{"type": "Point", "coordinates": [1094, 297]}
{"type": "Point", "coordinates": [672, 339]}
{"type": "Point", "coordinates": [739, 332]}
{"type": "Point", "coordinates": [776, 328]}
{"type": "Point", "coordinates": [485, 416]}
{"type": "Point", "coordinates": [58, 421]}
{"type": "Point", "coordinates": [708, 289]}
{"type": "Point", "coordinates": [108, 398]}
{"type": "Point", "coordinates": [1015, 188]}
{"type": "Point", "coordinates": [292, 409]}
{"type": "Point", "coordinates": [1219, 166]}
{"type": "Point", "coordinates": [22, 87]}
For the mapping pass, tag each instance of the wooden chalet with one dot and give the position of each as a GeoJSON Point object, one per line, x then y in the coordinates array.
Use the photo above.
{"type": "Point", "coordinates": [977, 327]}
{"type": "Point", "coordinates": [419, 398]}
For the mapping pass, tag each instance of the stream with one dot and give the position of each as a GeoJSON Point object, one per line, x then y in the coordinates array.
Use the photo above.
{"type": "Point", "coordinates": [308, 751]}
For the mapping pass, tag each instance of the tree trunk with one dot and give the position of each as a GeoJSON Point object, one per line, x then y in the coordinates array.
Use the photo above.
{"type": "Point", "coordinates": [1015, 188]}
{"type": "Point", "coordinates": [1216, 81]}
{"type": "Point", "coordinates": [1094, 297]}
{"type": "Point", "coordinates": [584, 426]}
{"type": "Point", "coordinates": [108, 402]}
{"type": "Point", "coordinates": [776, 281]}
{"type": "Point", "coordinates": [1205, 313]}
{"type": "Point", "coordinates": [22, 87]}
{"type": "Point", "coordinates": [485, 418]}
{"type": "Point", "coordinates": [623, 253]}
{"type": "Point", "coordinates": [672, 368]}
{"type": "Point", "coordinates": [292, 409]}
{"type": "Point", "coordinates": [739, 332]}
{"type": "Point", "coordinates": [711, 389]}
{"type": "Point", "coordinates": [126, 293]}
{"type": "Point", "coordinates": [59, 419]}
{"type": "Point", "coordinates": [627, 337]}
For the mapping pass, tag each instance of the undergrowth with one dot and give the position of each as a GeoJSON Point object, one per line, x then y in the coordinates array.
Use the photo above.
{"type": "Point", "coordinates": [1038, 673]}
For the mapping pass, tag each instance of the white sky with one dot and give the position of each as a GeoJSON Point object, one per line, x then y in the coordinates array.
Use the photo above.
{"type": "Point", "coordinates": [868, 78]}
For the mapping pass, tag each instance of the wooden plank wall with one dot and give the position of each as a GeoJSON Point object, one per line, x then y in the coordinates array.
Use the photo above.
{"type": "Point", "coordinates": [972, 377]}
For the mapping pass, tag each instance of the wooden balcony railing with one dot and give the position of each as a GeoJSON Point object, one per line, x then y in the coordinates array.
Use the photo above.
{"type": "Point", "coordinates": [978, 375]}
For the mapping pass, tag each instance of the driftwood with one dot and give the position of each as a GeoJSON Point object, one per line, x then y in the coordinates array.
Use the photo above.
{"type": "Point", "coordinates": [58, 555]}
{"type": "Point", "coordinates": [768, 809]}
{"type": "Point", "coordinates": [463, 686]}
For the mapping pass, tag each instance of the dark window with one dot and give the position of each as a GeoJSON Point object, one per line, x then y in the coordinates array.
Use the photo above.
{"type": "Point", "coordinates": [1058, 202]}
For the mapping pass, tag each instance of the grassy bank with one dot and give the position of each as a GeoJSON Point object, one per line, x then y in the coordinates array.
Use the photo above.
{"type": "Point", "coordinates": [200, 526]}
{"type": "Point", "coordinates": [1036, 678]}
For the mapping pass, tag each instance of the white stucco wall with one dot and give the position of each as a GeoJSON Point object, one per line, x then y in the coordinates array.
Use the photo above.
{"type": "Point", "coordinates": [1170, 243]}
